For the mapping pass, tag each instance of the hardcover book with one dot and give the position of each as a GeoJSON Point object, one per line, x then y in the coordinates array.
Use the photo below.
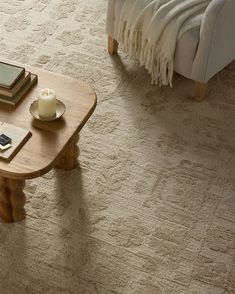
{"type": "Point", "coordinates": [10, 74]}
{"type": "Point", "coordinates": [15, 99]}
{"type": "Point", "coordinates": [18, 137]}
{"type": "Point", "coordinates": [17, 86]}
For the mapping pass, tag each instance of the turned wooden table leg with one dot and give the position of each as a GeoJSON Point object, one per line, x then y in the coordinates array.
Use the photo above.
{"type": "Point", "coordinates": [12, 200]}
{"type": "Point", "coordinates": [69, 158]}
{"type": "Point", "coordinates": [5, 205]}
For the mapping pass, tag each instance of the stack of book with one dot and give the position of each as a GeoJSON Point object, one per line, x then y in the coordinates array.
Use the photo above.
{"type": "Point", "coordinates": [15, 82]}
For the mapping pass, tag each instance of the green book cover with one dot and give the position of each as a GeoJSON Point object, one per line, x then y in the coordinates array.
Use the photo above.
{"type": "Point", "coordinates": [9, 74]}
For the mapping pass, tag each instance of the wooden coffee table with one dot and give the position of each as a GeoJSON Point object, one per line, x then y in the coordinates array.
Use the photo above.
{"type": "Point", "coordinates": [52, 143]}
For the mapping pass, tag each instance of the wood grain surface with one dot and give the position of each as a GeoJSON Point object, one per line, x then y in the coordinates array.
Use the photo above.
{"type": "Point", "coordinates": [49, 139]}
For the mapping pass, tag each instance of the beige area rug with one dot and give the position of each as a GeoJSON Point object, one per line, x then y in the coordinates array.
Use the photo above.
{"type": "Point", "coordinates": [151, 209]}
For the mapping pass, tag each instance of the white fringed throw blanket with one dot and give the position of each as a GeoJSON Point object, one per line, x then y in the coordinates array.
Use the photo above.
{"type": "Point", "coordinates": [149, 30]}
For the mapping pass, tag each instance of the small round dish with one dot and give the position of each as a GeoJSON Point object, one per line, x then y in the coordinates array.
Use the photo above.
{"type": "Point", "coordinates": [60, 110]}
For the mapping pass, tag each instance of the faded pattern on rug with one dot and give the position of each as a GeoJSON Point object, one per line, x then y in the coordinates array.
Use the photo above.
{"type": "Point", "coordinates": [151, 208]}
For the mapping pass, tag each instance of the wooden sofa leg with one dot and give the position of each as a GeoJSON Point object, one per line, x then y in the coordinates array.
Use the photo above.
{"type": "Point", "coordinates": [112, 45]}
{"type": "Point", "coordinates": [200, 91]}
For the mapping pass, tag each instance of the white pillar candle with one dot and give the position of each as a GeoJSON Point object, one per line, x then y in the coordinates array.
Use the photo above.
{"type": "Point", "coordinates": [47, 103]}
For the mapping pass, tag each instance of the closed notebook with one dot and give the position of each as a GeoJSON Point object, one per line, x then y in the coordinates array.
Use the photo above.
{"type": "Point", "coordinates": [15, 99]}
{"type": "Point", "coordinates": [10, 74]}
{"type": "Point", "coordinates": [17, 86]}
{"type": "Point", "coordinates": [19, 137]}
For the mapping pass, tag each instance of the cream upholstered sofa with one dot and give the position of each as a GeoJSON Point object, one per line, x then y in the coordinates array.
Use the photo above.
{"type": "Point", "coordinates": [201, 52]}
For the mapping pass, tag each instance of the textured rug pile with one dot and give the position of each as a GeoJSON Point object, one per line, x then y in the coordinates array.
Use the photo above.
{"type": "Point", "coordinates": [151, 208]}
